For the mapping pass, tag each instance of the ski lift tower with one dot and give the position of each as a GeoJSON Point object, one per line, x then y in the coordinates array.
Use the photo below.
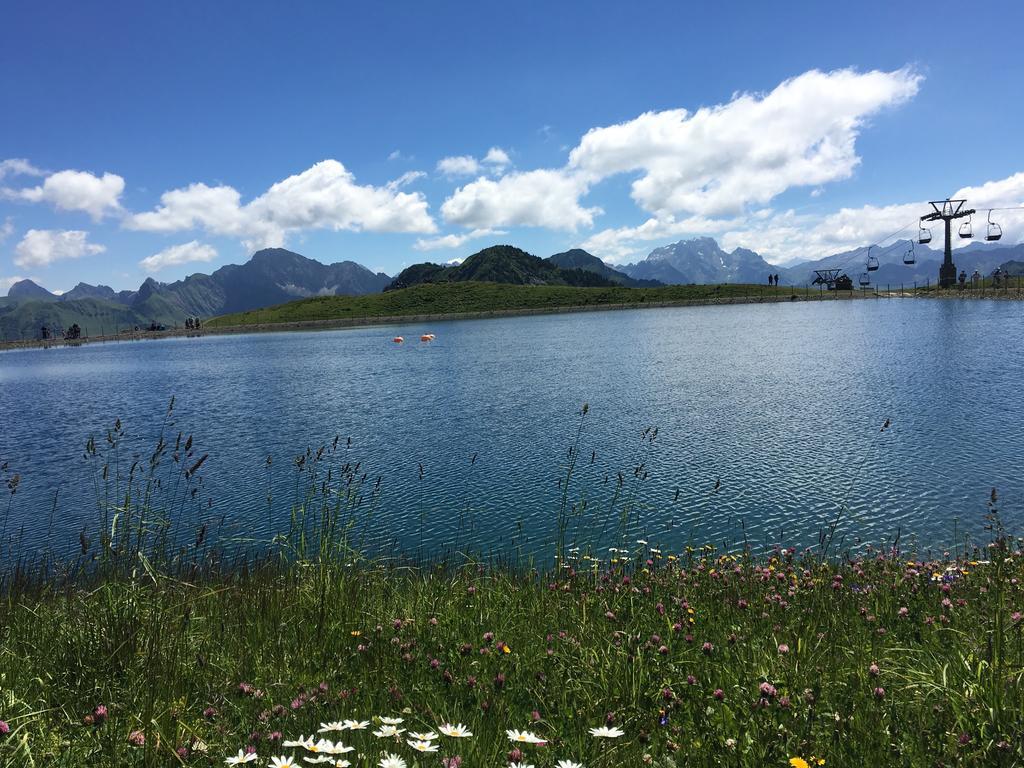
{"type": "Point", "coordinates": [946, 211]}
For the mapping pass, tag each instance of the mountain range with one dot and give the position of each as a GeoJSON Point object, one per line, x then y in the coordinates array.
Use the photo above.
{"type": "Point", "coordinates": [508, 264]}
{"type": "Point", "coordinates": [702, 260]}
{"type": "Point", "coordinates": [577, 258]}
{"type": "Point", "coordinates": [275, 276]}
{"type": "Point", "coordinates": [980, 256]}
{"type": "Point", "coordinates": [271, 276]}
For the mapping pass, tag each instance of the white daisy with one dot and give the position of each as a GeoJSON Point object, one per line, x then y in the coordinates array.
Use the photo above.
{"type": "Point", "coordinates": [423, 746]}
{"type": "Point", "coordinates": [605, 732]}
{"type": "Point", "coordinates": [337, 725]}
{"type": "Point", "coordinates": [241, 758]}
{"type": "Point", "coordinates": [455, 731]}
{"type": "Point", "coordinates": [303, 741]}
{"type": "Point", "coordinates": [519, 765]}
{"type": "Point", "coordinates": [524, 737]}
{"type": "Point", "coordinates": [282, 762]}
{"type": "Point", "coordinates": [330, 747]}
{"type": "Point", "coordinates": [568, 764]}
{"type": "Point", "coordinates": [391, 720]}
{"type": "Point", "coordinates": [391, 761]}
{"type": "Point", "coordinates": [357, 725]}
{"type": "Point", "coordinates": [388, 730]}
{"type": "Point", "coordinates": [333, 762]}
{"type": "Point", "coordinates": [428, 736]}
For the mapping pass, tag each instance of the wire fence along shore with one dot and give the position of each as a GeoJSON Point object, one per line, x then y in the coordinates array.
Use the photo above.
{"type": "Point", "coordinates": [1012, 292]}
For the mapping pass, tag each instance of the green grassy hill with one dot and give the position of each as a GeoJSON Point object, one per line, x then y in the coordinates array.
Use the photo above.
{"type": "Point", "coordinates": [500, 264]}
{"type": "Point", "coordinates": [470, 297]}
{"type": "Point", "coordinates": [23, 319]}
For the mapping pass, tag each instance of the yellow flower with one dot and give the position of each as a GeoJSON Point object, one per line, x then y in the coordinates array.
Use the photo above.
{"type": "Point", "coordinates": [798, 762]}
{"type": "Point", "coordinates": [355, 633]}
{"type": "Point", "coordinates": [506, 649]}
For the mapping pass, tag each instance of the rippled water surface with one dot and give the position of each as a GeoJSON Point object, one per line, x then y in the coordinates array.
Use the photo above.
{"type": "Point", "coordinates": [779, 404]}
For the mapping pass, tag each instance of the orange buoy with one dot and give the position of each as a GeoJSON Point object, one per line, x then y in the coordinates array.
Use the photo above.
{"type": "Point", "coordinates": [398, 339]}
{"type": "Point", "coordinates": [427, 337]}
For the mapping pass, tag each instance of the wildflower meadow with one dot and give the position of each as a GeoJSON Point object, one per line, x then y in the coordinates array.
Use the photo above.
{"type": "Point", "coordinates": [150, 651]}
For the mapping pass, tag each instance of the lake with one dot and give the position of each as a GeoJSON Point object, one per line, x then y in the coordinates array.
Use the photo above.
{"type": "Point", "coordinates": [780, 406]}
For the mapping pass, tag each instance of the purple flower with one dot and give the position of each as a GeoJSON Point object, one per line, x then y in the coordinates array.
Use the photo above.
{"type": "Point", "coordinates": [136, 738]}
{"type": "Point", "coordinates": [4, 728]}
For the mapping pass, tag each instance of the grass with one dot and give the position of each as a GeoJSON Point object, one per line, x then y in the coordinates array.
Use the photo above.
{"type": "Point", "coordinates": [987, 286]}
{"type": "Point", "coordinates": [155, 647]}
{"type": "Point", "coordinates": [473, 297]}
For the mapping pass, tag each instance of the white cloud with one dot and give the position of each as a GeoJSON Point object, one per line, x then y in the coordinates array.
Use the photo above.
{"type": "Point", "coordinates": [453, 241]}
{"type": "Point", "coordinates": [541, 198]}
{"type": "Point", "coordinates": [781, 236]}
{"type": "Point", "coordinates": [405, 180]}
{"type": "Point", "coordinates": [323, 197]}
{"type": "Point", "coordinates": [460, 165]}
{"type": "Point", "coordinates": [788, 235]}
{"type": "Point", "coordinates": [41, 247]}
{"type": "Point", "coordinates": [76, 191]}
{"type": "Point", "coordinates": [179, 254]}
{"type": "Point", "coordinates": [216, 209]}
{"type": "Point", "coordinates": [715, 162]}
{"type": "Point", "coordinates": [17, 166]}
{"type": "Point", "coordinates": [6, 229]}
{"type": "Point", "coordinates": [720, 159]}
{"type": "Point", "coordinates": [498, 157]}
{"type": "Point", "coordinates": [495, 162]}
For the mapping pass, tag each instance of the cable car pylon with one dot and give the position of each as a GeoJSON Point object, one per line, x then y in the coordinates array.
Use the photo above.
{"type": "Point", "coordinates": [946, 211]}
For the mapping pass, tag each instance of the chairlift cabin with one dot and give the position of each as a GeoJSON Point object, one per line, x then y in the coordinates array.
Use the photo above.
{"type": "Point", "coordinates": [924, 236]}
{"type": "Point", "coordinates": [909, 257]}
{"type": "Point", "coordinates": [872, 265]}
{"type": "Point", "coordinates": [965, 229]}
{"type": "Point", "coordinates": [865, 280]}
{"type": "Point", "coordinates": [994, 230]}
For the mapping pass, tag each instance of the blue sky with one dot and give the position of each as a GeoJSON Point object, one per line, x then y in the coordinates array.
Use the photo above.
{"type": "Point", "coordinates": [162, 139]}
